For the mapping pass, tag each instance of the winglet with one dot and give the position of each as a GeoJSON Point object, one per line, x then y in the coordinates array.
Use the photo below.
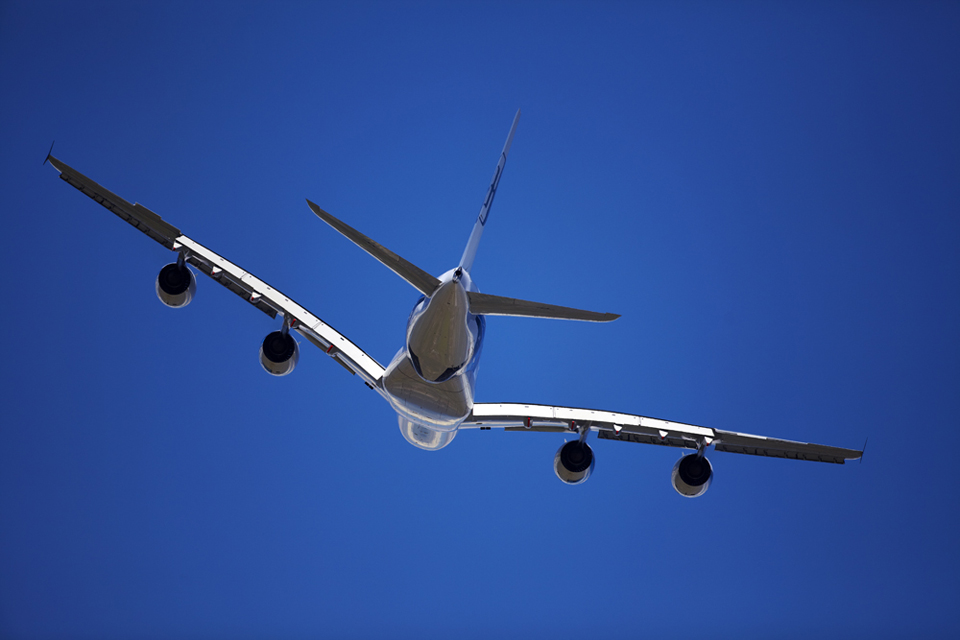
{"type": "Point", "coordinates": [49, 153]}
{"type": "Point", "coordinates": [864, 450]}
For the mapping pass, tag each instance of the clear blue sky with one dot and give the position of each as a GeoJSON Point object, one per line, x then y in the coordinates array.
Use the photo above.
{"type": "Point", "coordinates": [769, 193]}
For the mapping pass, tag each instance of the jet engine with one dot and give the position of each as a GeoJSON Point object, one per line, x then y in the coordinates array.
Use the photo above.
{"type": "Point", "coordinates": [574, 461]}
{"type": "Point", "coordinates": [692, 475]}
{"type": "Point", "coordinates": [279, 353]}
{"type": "Point", "coordinates": [176, 285]}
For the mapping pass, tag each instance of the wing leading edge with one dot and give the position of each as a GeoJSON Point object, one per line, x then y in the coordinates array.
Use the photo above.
{"type": "Point", "coordinates": [255, 291]}
{"type": "Point", "coordinates": [645, 430]}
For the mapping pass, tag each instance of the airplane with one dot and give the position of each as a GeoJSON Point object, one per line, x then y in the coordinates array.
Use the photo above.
{"type": "Point", "coordinates": [430, 382]}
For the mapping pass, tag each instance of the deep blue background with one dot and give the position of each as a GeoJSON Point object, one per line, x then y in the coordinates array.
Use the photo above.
{"type": "Point", "coordinates": [768, 192]}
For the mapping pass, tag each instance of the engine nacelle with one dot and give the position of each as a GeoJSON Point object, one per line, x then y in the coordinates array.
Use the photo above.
{"type": "Point", "coordinates": [176, 285]}
{"type": "Point", "coordinates": [279, 353]}
{"type": "Point", "coordinates": [574, 461]}
{"type": "Point", "coordinates": [692, 475]}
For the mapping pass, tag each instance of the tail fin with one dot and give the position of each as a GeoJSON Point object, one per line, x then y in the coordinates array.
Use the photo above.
{"type": "Point", "coordinates": [466, 262]}
{"type": "Point", "coordinates": [480, 303]}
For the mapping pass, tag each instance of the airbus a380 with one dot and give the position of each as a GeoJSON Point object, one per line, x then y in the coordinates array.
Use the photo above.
{"type": "Point", "coordinates": [430, 382]}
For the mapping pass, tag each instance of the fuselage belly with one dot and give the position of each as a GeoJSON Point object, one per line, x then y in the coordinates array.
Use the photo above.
{"type": "Point", "coordinates": [430, 382]}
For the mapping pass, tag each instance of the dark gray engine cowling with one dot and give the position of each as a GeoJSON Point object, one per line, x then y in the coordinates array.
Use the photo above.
{"type": "Point", "coordinates": [692, 475]}
{"type": "Point", "coordinates": [176, 285]}
{"type": "Point", "coordinates": [279, 353]}
{"type": "Point", "coordinates": [574, 462]}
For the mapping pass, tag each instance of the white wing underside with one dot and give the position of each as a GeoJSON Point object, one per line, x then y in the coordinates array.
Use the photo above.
{"type": "Point", "coordinates": [632, 428]}
{"type": "Point", "coordinates": [255, 291]}
{"type": "Point", "coordinates": [272, 301]}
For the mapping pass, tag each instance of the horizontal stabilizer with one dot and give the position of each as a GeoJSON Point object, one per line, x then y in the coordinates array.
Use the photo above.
{"type": "Point", "coordinates": [413, 274]}
{"type": "Point", "coordinates": [487, 305]}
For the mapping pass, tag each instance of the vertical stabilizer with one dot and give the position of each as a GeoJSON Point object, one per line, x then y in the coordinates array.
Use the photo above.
{"type": "Point", "coordinates": [466, 262]}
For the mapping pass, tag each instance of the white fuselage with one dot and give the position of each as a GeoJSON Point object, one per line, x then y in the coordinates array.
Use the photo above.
{"type": "Point", "coordinates": [430, 382]}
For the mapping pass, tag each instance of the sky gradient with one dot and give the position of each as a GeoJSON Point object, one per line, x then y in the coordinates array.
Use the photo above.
{"type": "Point", "coordinates": [769, 194]}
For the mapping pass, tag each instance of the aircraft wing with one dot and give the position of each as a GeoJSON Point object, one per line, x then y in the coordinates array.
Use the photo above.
{"type": "Point", "coordinates": [255, 291]}
{"type": "Point", "coordinates": [632, 428]}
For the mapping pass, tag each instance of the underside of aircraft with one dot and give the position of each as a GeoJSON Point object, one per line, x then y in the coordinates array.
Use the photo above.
{"type": "Point", "coordinates": [430, 382]}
